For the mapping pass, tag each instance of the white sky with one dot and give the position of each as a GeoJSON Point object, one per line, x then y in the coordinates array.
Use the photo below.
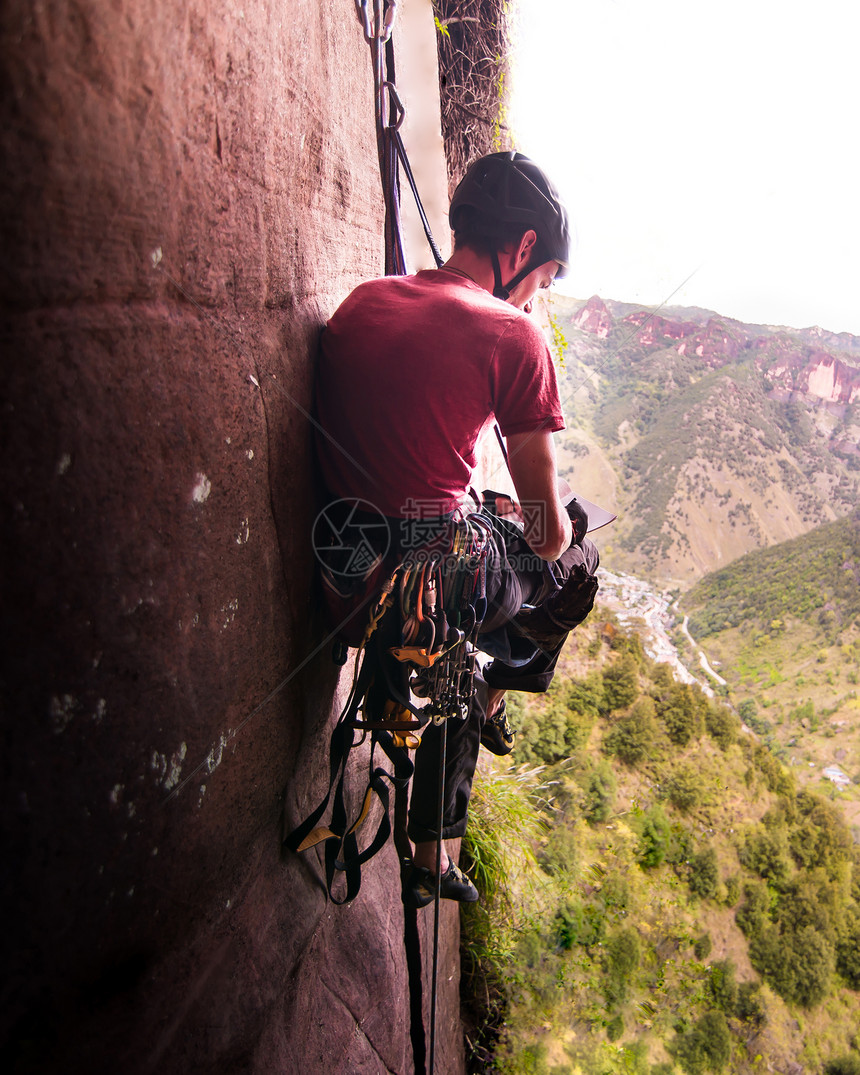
{"type": "Point", "coordinates": [721, 139]}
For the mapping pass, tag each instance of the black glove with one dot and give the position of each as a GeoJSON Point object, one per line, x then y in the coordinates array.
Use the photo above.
{"type": "Point", "coordinates": [548, 624]}
{"type": "Point", "coordinates": [579, 517]}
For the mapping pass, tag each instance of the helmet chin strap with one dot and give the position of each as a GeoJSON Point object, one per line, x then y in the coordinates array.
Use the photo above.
{"type": "Point", "coordinates": [503, 291]}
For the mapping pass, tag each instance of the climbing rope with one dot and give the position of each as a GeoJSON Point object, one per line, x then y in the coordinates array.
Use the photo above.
{"type": "Point", "coordinates": [377, 21]}
{"type": "Point", "coordinates": [378, 24]}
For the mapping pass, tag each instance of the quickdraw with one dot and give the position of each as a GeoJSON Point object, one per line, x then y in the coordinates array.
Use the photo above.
{"type": "Point", "coordinates": [442, 604]}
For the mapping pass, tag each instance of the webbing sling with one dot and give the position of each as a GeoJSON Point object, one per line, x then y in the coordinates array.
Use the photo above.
{"type": "Point", "coordinates": [342, 854]}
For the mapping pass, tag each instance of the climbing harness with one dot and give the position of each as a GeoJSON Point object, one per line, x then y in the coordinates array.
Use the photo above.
{"type": "Point", "coordinates": [419, 640]}
{"type": "Point", "coordinates": [430, 609]}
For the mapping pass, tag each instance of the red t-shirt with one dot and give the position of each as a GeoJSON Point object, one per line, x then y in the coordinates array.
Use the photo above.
{"type": "Point", "coordinates": [413, 369]}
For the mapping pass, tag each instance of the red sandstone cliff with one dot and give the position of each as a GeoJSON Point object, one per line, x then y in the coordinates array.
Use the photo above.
{"type": "Point", "coordinates": [791, 363]}
{"type": "Point", "coordinates": [594, 318]}
{"type": "Point", "coordinates": [189, 191]}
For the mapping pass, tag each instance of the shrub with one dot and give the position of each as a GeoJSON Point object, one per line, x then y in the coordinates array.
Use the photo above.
{"type": "Point", "coordinates": [530, 949]}
{"type": "Point", "coordinates": [654, 838]}
{"type": "Point", "coordinates": [704, 874]}
{"type": "Point", "coordinates": [679, 711]}
{"type": "Point", "coordinates": [803, 902]}
{"type": "Point", "coordinates": [629, 644]}
{"type": "Point", "coordinates": [702, 946]}
{"type": "Point", "coordinates": [556, 725]}
{"type": "Point", "coordinates": [615, 891]}
{"type": "Point", "coordinates": [753, 916]}
{"type": "Point", "coordinates": [634, 737]}
{"type": "Point", "coordinates": [798, 965]}
{"type": "Point", "coordinates": [706, 1047]}
{"type": "Point", "coordinates": [684, 788]}
{"type": "Point", "coordinates": [747, 710]}
{"type": "Point", "coordinates": [843, 1065]}
{"type": "Point", "coordinates": [620, 683]}
{"type": "Point", "coordinates": [848, 949]}
{"type": "Point", "coordinates": [723, 987]}
{"type": "Point", "coordinates": [722, 725]}
{"type": "Point", "coordinates": [586, 696]}
{"type": "Point", "coordinates": [622, 955]}
{"type": "Point", "coordinates": [822, 838]}
{"type": "Point", "coordinates": [662, 677]}
{"type": "Point", "coordinates": [733, 890]}
{"type": "Point", "coordinates": [750, 1006]}
{"type": "Point", "coordinates": [543, 729]}
{"type": "Point", "coordinates": [533, 1060]}
{"type": "Point", "coordinates": [600, 793]}
{"type": "Point", "coordinates": [775, 777]}
{"type": "Point", "coordinates": [558, 857]}
{"type": "Point", "coordinates": [579, 923]}
{"type": "Point", "coordinates": [615, 1027]}
{"type": "Point", "coordinates": [766, 852]}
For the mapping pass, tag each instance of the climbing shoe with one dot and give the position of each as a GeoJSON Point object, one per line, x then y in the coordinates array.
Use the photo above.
{"type": "Point", "coordinates": [497, 735]}
{"type": "Point", "coordinates": [421, 886]}
{"type": "Point", "coordinates": [548, 624]}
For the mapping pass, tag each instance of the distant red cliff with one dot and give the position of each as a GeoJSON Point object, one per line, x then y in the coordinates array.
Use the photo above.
{"type": "Point", "coordinates": [786, 358]}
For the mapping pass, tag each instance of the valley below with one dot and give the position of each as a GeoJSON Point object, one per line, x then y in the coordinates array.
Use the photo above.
{"type": "Point", "coordinates": [673, 847]}
{"type": "Point", "coordinates": [823, 750]}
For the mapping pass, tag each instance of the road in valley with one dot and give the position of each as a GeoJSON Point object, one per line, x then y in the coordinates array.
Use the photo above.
{"type": "Point", "coordinates": [637, 604]}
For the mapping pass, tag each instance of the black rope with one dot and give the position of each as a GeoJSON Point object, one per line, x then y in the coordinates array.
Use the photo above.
{"type": "Point", "coordinates": [407, 168]}
{"type": "Point", "coordinates": [395, 258]}
{"type": "Point", "coordinates": [443, 759]}
{"type": "Point", "coordinates": [411, 937]}
{"type": "Point", "coordinates": [393, 152]}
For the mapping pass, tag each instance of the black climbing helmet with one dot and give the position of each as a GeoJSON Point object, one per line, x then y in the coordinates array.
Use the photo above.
{"type": "Point", "coordinates": [509, 188]}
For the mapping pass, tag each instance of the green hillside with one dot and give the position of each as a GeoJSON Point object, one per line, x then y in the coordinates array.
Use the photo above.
{"type": "Point", "coordinates": [783, 627]}
{"type": "Point", "coordinates": [698, 441]}
{"type": "Point", "coordinates": [817, 576]}
{"type": "Point", "coordinates": [659, 894]}
{"type": "Point", "coordinates": [671, 881]}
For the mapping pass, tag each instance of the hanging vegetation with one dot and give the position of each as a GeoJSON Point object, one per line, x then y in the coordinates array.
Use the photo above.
{"type": "Point", "coordinates": [473, 52]}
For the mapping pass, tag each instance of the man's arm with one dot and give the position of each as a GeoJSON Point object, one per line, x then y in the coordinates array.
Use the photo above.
{"type": "Point", "coordinates": [531, 457]}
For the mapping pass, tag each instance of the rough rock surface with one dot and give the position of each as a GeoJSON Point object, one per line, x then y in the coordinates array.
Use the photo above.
{"type": "Point", "coordinates": [189, 190]}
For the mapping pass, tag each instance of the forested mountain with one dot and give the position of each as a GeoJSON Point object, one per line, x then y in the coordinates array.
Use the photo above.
{"type": "Point", "coordinates": [709, 437]}
{"type": "Point", "coordinates": [660, 895]}
{"type": "Point", "coordinates": [670, 879]}
{"type": "Point", "coordinates": [782, 625]}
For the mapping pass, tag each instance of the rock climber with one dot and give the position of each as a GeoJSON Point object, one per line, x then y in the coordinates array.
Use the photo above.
{"type": "Point", "coordinates": [413, 371]}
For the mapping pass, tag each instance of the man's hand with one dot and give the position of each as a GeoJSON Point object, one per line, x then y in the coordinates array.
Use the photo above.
{"type": "Point", "coordinates": [509, 510]}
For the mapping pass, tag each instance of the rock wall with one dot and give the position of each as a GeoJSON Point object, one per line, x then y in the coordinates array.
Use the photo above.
{"type": "Point", "coordinates": [190, 189]}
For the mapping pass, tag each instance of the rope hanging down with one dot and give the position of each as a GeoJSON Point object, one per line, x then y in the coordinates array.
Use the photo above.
{"type": "Point", "coordinates": [389, 112]}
